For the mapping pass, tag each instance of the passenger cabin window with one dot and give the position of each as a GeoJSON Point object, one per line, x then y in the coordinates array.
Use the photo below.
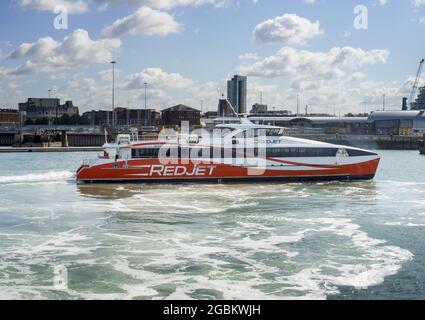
{"type": "Point", "coordinates": [268, 132]}
{"type": "Point", "coordinates": [274, 132]}
{"type": "Point", "coordinates": [144, 153]}
{"type": "Point", "coordinates": [149, 153]}
{"type": "Point", "coordinates": [359, 153]}
{"type": "Point", "coordinates": [313, 152]}
{"type": "Point", "coordinates": [301, 152]}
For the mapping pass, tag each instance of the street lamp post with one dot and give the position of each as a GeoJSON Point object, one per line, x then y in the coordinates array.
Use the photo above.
{"type": "Point", "coordinates": [383, 101]}
{"type": "Point", "coordinates": [146, 108]}
{"type": "Point", "coordinates": [113, 92]}
{"type": "Point", "coordinates": [298, 104]}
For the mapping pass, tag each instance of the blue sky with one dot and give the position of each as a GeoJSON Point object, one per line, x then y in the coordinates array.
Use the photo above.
{"type": "Point", "coordinates": [186, 49]}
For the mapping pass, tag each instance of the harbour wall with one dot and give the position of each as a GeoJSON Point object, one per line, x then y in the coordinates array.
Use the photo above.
{"type": "Point", "coordinates": [96, 140]}
{"type": "Point", "coordinates": [383, 142]}
{"type": "Point", "coordinates": [7, 139]}
{"type": "Point", "coordinates": [85, 140]}
{"type": "Point", "coordinates": [65, 139]}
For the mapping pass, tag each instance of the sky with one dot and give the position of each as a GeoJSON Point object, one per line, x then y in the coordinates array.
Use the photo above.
{"type": "Point", "coordinates": [338, 56]}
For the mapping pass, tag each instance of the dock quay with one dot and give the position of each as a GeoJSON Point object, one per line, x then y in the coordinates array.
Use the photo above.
{"type": "Point", "coordinates": [51, 141]}
{"type": "Point", "coordinates": [91, 142]}
{"type": "Point", "coordinates": [49, 149]}
{"type": "Point", "coordinates": [378, 142]}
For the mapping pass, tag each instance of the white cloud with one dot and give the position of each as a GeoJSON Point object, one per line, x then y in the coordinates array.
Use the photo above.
{"type": "Point", "coordinates": [357, 76]}
{"type": "Point", "coordinates": [37, 49]}
{"type": "Point", "coordinates": [418, 3]}
{"type": "Point", "coordinates": [106, 74]}
{"type": "Point", "coordinates": [164, 90]}
{"type": "Point", "coordinates": [287, 29]}
{"type": "Point", "coordinates": [81, 6]}
{"type": "Point", "coordinates": [163, 4]}
{"type": "Point", "coordinates": [318, 65]}
{"type": "Point", "coordinates": [77, 49]}
{"type": "Point", "coordinates": [144, 21]}
{"type": "Point", "coordinates": [157, 77]}
{"type": "Point", "coordinates": [323, 79]}
{"type": "Point", "coordinates": [249, 56]}
{"type": "Point", "coordinates": [78, 6]}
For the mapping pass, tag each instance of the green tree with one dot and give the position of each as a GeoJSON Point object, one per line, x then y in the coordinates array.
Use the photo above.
{"type": "Point", "coordinates": [74, 119]}
{"type": "Point", "coordinates": [85, 120]}
{"type": "Point", "coordinates": [65, 120]}
{"type": "Point", "coordinates": [42, 122]}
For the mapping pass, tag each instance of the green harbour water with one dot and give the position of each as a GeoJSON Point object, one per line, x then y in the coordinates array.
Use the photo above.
{"type": "Point", "coordinates": [334, 240]}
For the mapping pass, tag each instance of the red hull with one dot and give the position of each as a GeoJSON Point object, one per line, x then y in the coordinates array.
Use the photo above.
{"type": "Point", "coordinates": [151, 170]}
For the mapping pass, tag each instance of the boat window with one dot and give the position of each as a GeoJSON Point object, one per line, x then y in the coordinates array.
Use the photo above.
{"type": "Point", "coordinates": [301, 152]}
{"type": "Point", "coordinates": [359, 153]}
{"type": "Point", "coordinates": [274, 132]}
{"type": "Point", "coordinates": [144, 153]}
{"type": "Point", "coordinates": [327, 152]}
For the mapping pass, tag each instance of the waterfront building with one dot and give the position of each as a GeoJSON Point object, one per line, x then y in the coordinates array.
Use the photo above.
{"type": "Point", "coordinates": [137, 117]}
{"type": "Point", "coordinates": [377, 123]}
{"type": "Point", "coordinates": [318, 125]}
{"type": "Point", "coordinates": [210, 114]}
{"type": "Point", "coordinates": [9, 118]}
{"type": "Point", "coordinates": [125, 117]}
{"type": "Point", "coordinates": [259, 108]}
{"type": "Point", "coordinates": [237, 91]}
{"type": "Point", "coordinates": [397, 122]}
{"type": "Point", "coordinates": [275, 113]}
{"type": "Point", "coordinates": [99, 118]}
{"type": "Point", "coordinates": [46, 110]}
{"type": "Point", "coordinates": [175, 115]}
{"type": "Point", "coordinates": [419, 103]}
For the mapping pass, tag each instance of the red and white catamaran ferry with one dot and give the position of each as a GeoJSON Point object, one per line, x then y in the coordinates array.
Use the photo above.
{"type": "Point", "coordinates": [241, 152]}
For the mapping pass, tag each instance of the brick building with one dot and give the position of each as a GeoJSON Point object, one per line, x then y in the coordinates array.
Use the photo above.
{"type": "Point", "coordinates": [10, 118]}
{"type": "Point", "coordinates": [175, 115]}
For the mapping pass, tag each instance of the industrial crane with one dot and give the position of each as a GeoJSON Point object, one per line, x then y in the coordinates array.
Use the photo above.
{"type": "Point", "coordinates": [415, 85]}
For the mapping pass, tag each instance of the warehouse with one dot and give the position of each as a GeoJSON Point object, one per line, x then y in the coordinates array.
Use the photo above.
{"type": "Point", "coordinates": [325, 125]}
{"type": "Point", "coordinates": [402, 123]}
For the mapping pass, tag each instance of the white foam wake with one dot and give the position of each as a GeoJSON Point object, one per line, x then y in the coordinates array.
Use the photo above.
{"type": "Point", "coordinates": [38, 177]}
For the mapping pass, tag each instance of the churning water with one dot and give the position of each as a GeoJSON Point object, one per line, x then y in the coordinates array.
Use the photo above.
{"type": "Point", "coordinates": [338, 240]}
